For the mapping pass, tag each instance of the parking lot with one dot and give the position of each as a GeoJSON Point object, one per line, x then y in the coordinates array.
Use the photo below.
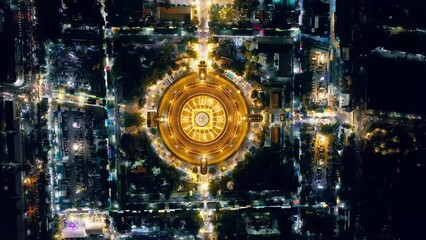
{"type": "Point", "coordinates": [75, 67]}
{"type": "Point", "coordinates": [319, 68]}
{"type": "Point", "coordinates": [82, 171]}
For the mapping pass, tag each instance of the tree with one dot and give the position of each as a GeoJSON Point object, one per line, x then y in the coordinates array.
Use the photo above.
{"type": "Point", "coordinates": [129, 143]}
{"type": "Point", "coordinates": [212, 170]}
{"type": "Point", "coordinates": [163, 178]}
{"type": "Point", "coordinates": [264, 170]}
{"type": "Point", "coordinates": [237, 67]}
{"type": "Point", "coordinates": [137, 68]}
{"type": "Point", "coordinates": [328, 129]}
{"type": "Point", "coordinates": [254, 94]}
{"type": "Point", "coordinates": [319, 223]}
{"type": "Point", "coordinates": [248, 4]}
{"type": "Point", "coordinates": [191, 53]}
{"type": "Point", "coordinates": [303, 83]}
{"type": "Point", "coordinates": [132, 119]}
{"type": "Point", "coordinates": [217, 185]}
{"type": "Point", "coordinates": [56, 225]}
{"type": "Point", "coordinates": [107, 222]}
{"type": "Point", "coordinates": [43, 106]}
{"type": "Point", "coordinates": [214, 14]}
{"type": "Point", "coordinates": [153, 131]}
{"type": "Point", "coordinates": [253, 72]}
{"type": "Point", "coordinates": [264, 98]}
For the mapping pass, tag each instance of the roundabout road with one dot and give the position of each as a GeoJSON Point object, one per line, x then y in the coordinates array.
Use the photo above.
{"type": "Point", "coordinates": [203, 119]}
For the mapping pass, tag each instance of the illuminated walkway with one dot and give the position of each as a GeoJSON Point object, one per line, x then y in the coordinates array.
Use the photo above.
{"type": "Point", "coordinates": [207, 230]}
{"type": "Point", "coordinates": [203, 29]}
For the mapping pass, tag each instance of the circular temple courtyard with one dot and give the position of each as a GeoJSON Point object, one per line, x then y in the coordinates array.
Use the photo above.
{"type": "Point", "coordinates": [203, 120]}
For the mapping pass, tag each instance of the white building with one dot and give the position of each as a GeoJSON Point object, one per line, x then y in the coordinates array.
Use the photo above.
{"type": "Point", "coordinates": [344, 100]}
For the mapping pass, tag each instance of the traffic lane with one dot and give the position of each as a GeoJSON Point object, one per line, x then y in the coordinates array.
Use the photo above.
{"type": "Point", "coordinates": [320, 161]}
{"type": "Point", "coordinates": [78, 159]}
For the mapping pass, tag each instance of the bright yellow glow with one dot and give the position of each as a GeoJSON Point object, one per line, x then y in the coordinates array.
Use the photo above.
{"type": "Point", "coordinates": [202, 118]}
{"type": "Point", "coordinates": [204, 186]}
{"type": "Point", "coordinates": [27, 181]}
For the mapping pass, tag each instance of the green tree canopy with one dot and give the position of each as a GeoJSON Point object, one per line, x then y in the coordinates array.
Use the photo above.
{"type": "Point", "coordinates": [248, 4]}
{"type": "Point", "coordinates": [328, 129]}
{"type": "Point", "coordinates": [254, 94]}
{"type": "Point", "coordinates": [43, 106]}
{"type": "Point", "coordinates": [253, 71]}
{"type": "Point", "coordinates": [132, 119]}
{"type": "Point", "coordinates": [129, 143]}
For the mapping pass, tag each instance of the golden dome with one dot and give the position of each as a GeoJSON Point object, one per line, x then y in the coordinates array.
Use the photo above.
{"type": "Point", "coordinates": [203, 119]}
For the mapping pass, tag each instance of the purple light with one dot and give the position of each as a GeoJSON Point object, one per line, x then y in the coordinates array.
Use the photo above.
{"type": "Point", "coordinates": [72, 225]}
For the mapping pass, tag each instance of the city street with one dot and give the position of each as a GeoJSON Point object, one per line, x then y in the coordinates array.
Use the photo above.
{"type": "Point", "coordinates": [209, 119]}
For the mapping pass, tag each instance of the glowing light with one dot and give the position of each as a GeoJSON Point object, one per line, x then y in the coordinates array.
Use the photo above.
{"type": "Point", "coordinates": [201, 116]}
{"type": "Point", "coordinates": [204, 186]}
{"type": "Point", "coordinates": [81, 99]}
{"type": "Point", "coordinates": [75, 147]}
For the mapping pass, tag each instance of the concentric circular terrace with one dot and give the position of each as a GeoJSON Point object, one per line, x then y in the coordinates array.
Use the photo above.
{"type": "Point", "coordinates": [203, 120]}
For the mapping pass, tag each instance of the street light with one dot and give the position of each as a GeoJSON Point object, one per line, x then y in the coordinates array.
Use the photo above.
{"type": "Point", "coordinates": [75, 147]}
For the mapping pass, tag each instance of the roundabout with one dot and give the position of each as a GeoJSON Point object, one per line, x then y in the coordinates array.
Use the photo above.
{"type": "Point", "coordinates": [203, 120]}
